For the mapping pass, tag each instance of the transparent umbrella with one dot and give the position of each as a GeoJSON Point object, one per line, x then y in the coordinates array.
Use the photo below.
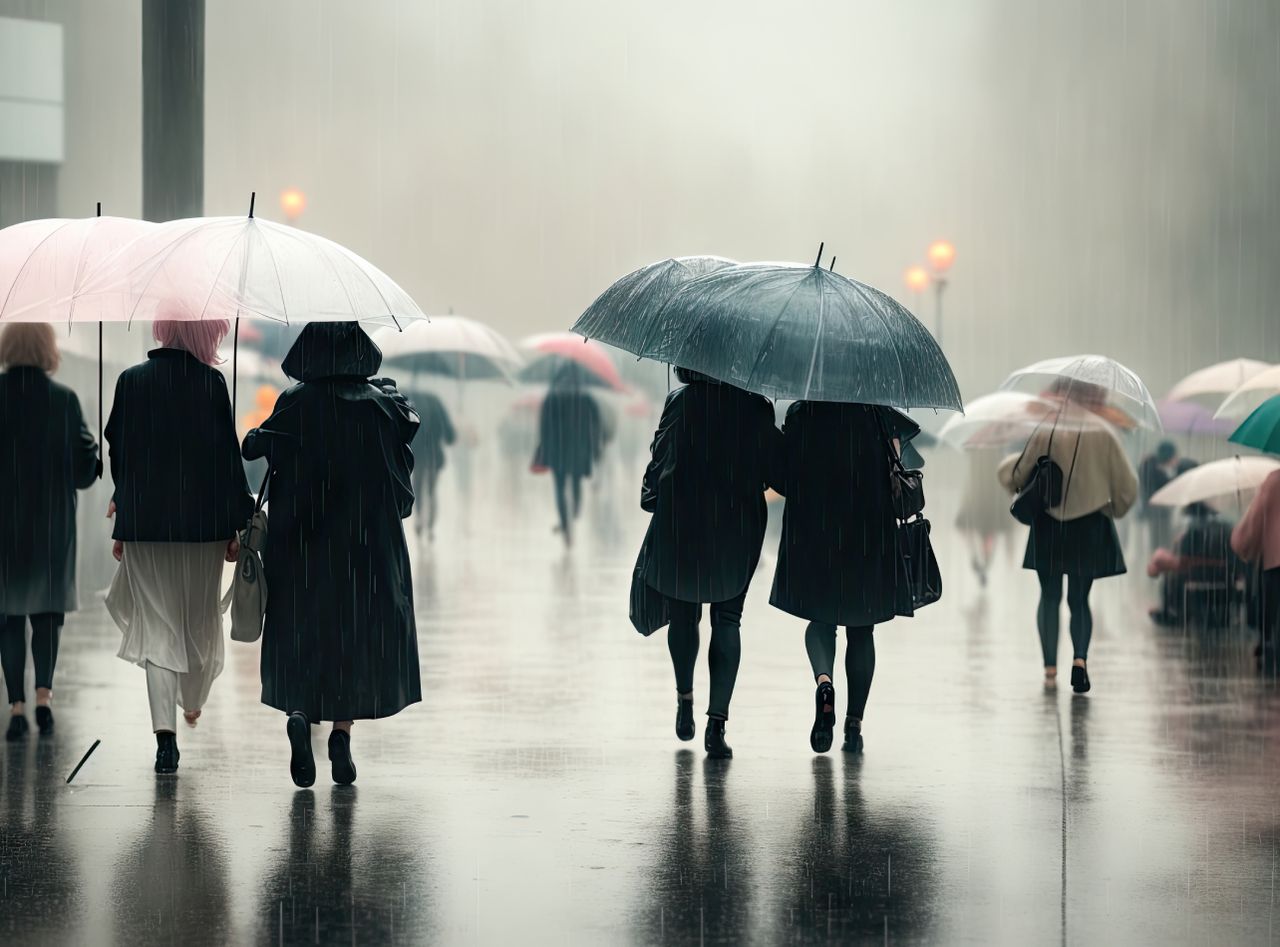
{"type": "Point", "coordinates": [1093, 381]}
{"type": "Point", "coordinates": [1215, 382]}
{"type": "Point", "coordinates": [1251, 394]}
{"type": "Point", "coordinates": [1005, 417]}
{"type": "Point", "coordinates": [1225, 484]}
{"type": "Point", "coordinates": [452, 346]}
{"type": "Point", "coordinates": [792, 332]}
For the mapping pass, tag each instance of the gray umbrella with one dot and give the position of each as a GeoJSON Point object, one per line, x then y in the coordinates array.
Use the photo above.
{"type": "Point", "coordinates": [793, 332]}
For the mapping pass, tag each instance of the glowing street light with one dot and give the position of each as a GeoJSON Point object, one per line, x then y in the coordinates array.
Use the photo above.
{"type": "Point", "coordinates": [917, 279]}
{"type": "Point", "coordinates": [941, 254]}
{"type": "Point", "coordinates": [293, 202]}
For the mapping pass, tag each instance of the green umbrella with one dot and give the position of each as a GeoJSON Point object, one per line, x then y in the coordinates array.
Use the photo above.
{"type": "Point", "coordinates": [1261, 429]}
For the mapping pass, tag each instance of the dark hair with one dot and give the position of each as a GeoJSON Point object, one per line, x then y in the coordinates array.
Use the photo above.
{"type": "Point", "coordinates": [1199, 511]}
{"type": "Point", "coordinates": [1166, 451]}
{"type": "Point", "coordinates": [688, 376]}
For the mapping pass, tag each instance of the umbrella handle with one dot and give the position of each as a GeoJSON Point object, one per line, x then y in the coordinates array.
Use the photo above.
{"type": "Point", "coordinates": [235, 353]}
{"type": "Point", "coordinates": [99, 394]}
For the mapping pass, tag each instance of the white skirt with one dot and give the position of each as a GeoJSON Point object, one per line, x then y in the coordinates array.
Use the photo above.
{"type": "Point", "coordinates": [165, 600]}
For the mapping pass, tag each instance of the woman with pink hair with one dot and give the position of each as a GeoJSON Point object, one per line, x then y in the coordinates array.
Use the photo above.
{"type": "Point", "coordinates": [180, 499]}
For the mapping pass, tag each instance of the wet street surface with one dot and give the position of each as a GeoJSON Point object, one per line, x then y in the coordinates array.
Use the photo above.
{"type": "Point", "coordinates": [538, 793]}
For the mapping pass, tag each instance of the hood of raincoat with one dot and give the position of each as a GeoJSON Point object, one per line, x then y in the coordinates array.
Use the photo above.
{"type": "Point", "coordinates": [332, 349]}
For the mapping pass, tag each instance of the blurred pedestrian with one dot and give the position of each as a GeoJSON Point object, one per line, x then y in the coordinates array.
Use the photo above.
{"type": "Point", "coordinates": [339, 642]}
{"type": "Point", "coordinates": [570, 439]}
{"type": "Point", "coordinates": [984, 510]}
{"type": "Point", "coordinates": [1076, 538]}
{"type": "Point", "coordinates": [714, 453]}
{"type": "Point", "coordinates": [1256, 539]}
{"type": "Point", "coordinates": [837, 562]}
{"type": "Point", "coordinates": [180, 499]}
{"type": "Point", "coordinates": [1154, 471]}
{"type": "Point", "coordinates": [1201, 553]}
{"type": "Point", "coordinates": [46, 455]}
{"type": "Point", "coordinates": [434, 432]}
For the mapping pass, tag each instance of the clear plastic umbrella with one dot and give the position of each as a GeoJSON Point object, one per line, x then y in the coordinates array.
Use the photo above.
{"type": "Point", "coordinates": [1251, 394]}
{"type": "Point", "coordinates": [1006, 417]}
{"type": "Point", "coordinates": [793, 332]}
{"type": "Point", "coordinates": [1225, 484]}
{"type": "Point", "coordinates": [1093, 381]}
{"type": "Point", "coordinates": [452, 346]}
{"type": "Point", "coordinates": [624, 314]}
{"type": "Point", "coordinates": [1215, 382]}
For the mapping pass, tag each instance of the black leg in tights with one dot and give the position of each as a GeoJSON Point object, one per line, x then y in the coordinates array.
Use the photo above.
{"type": "Point", "coordinates": [1048, 619]}
{"type": "Point", "coordinates": [46, 629]}
{"type": "Point", "coordinates": [859, 660]}
{"type": "Point", "coordinates": [560, 481]}
{"type": "Point", "coordinates": [723, 654]}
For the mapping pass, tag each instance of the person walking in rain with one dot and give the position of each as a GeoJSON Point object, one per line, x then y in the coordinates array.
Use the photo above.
{"type": "Point", "coordinates": [180, 499]}
{"type": "Point", "coordinates": [1256, 539]}
{"type": "Point", "coordinates": [46, 455]}
{"type": "Point", "coordinates": [434, 432]}
{"type": "Point", "coordinates": [339, 642]}
{"type": "Point", "coordinates": [838, 561]}
{"type": "Point", "coordinates": [984, 510]}
{"type": "Point", "coordinates": [1077, 538]}
{"type": "Point", "coordinates": [570, 439]}
{"type": "Point", "coordinates": [1154, 471]}
{"type": "Point", "coordinates": [714, 453]}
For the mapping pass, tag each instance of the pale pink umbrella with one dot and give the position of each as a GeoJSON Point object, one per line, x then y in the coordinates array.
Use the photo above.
{"type": "Point", "coordinates": [554, 347]}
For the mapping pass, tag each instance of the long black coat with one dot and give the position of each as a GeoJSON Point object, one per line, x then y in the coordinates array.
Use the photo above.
{"type": "Point", "coordinates": [46, 454]}
{"type": "Point", "coordinates": [339, 641]}
{"type": "Point", "coordinates": [570, 431]}
{"type": "Point", "coordinates": [837, 560]}
{"type": "Point", "coordinates": [715, 451]}
{"type": "Point", "coordinates": [434, 432]}
{"type": "Point", "coordinates": [175, 457]}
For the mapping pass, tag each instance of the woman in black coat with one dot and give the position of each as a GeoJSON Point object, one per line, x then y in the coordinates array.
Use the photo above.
{"type": "Point", "coordinates": [46, 455]}
{"type": "Point", "coordinates": [715, 451]}
{"type": "Point", "coordinates": [837, 562]}
{"type": "Point", "coordinates": [570, 438]}
{"type": "Point", "coordinates": [435, 431]}
{"type": "Point", "coordinates": [339, 642]}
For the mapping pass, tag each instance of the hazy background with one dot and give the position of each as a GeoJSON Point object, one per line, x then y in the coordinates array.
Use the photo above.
{"type": "Point", "coordinates": [1107, 170]}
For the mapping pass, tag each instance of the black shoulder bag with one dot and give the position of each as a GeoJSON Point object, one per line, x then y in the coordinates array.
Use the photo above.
{"type": "Point", "coordinates": [1043, 489]}
{"type": "Point", "coordinates": [918, 580]}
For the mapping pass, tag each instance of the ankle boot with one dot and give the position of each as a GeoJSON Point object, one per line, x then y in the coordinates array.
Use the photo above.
{"type": "Point", "coordinates": [714, 743]}
{"type": "Point", "coordinates": [166, 753]}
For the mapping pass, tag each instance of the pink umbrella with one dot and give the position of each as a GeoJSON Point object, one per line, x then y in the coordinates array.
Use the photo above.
{"type": "Point", "coordinates": [556, 346]}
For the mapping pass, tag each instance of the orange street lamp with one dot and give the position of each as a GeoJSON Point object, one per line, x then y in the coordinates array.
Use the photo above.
{"type": "Point", "coordinates": [917, 279]}
{"type": "Point", "coordinates": [293, 202]}
{"type": "Point", "coordinates": [941, 253]}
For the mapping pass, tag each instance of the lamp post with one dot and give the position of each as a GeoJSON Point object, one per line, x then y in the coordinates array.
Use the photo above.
{"type": "Point", "coordinates": [941, 253]}
{"type": "Point", "coordinates": [293, 202]}
{"type": "Point", "coordinates": [917, 279]}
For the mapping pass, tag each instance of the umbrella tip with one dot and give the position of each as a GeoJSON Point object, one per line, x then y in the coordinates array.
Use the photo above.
{"type": "Point", "coordinates": [99, 208]}
{"type": "Point", "coordinates": [833, 264]}
{"type": "Point", "coordinates": [253, 196]}
{"type": "Point", "coordinates": [818, 261]}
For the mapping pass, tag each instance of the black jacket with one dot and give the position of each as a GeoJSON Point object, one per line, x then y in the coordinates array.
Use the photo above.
{"type": "Point", "coordinates": [837, 557]}
{"type": "Point", "coordinates": [715, 451]}
{"type": "Point", "coordinates": [339, 641]}
{"type": "Point", "coordinates": [434, 432]}
{"type": "Point", "coordinates": [175, 457]}
{"type": "Point", "coordinates": [570, 431]}
{"type": "Point", "coordinates": [46, 454]}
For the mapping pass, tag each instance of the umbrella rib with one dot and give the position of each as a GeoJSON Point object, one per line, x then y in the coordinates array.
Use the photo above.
{"type": "Point", "coordinates": [217, 276]}
{"type": "Point", "coordinates": [897, 357]}
{"type": "Point", "coordinates": [378, 289]}
{"type": "Point", "coordinates": [27, 262]}
{"type": "Point", "coordinates": [164, 255]}
{"type": "Point", "coordinates": [817, 340]}
{"type": "Point", "coordinates": [284, 305]}
{"type": "Point", "coordinates": [772, 329]}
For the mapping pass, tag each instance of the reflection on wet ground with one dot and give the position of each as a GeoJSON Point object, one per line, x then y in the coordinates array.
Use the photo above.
{"type": "Point", "coordinates": [538, 793]}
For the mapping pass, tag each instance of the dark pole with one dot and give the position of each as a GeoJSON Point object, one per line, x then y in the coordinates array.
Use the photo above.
{"type": "Point", "coordinates": [172, 109]}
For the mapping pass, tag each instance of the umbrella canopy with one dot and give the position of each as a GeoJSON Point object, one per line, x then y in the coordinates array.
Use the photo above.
{"type": "Point", "coordinates": [1187, 417]}
{"type": "Point", "coordinates": [1216, 381]}
{"type": "Point", "coordinates": [789, 331]}
{"type": "Point", "coordinates": [44, 265]}
{"type": "Point", "coordinates": [452, 346]}
{"type": "Point", "coordinates": [1093, 381]}
{"type": "Point", "coordinates": [1250, 395]}
{"type": "Point", "coordinates": [1261, 430]}
{"type": "Point", "coordinates": [1005, 417]}
{"type": "Point", "coordinates": [552, 349]}
{"type": "Point", "coordinates": [1225, 483]}
{"type": "Point", "coordinates": [223, 267]}
{"type": "Point", "coordinates": [624, 314]}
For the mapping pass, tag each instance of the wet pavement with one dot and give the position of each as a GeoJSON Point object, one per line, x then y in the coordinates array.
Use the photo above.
{"type": "Point", "coordinates": [538, 794]}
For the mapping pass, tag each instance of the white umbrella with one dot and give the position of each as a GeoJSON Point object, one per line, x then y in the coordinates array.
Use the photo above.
{"type": "Point", "coordinates": [1002, 417]}
{"type": "Point", "coordinates": [453, 346]}
{"type": "Point", "coordinates": [1085, 378]}
{"type": "Point", "coordinates": [1229, 482]}
{"type": "Point", "coordinates": [1249, 396]}
{"type": "Point", "coordinates": [1216, 381]}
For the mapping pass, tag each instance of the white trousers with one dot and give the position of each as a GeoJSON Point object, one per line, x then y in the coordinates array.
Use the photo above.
{"type": "Point", "coordinates": [167, 689]}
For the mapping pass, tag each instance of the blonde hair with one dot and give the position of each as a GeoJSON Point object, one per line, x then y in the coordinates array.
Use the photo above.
{"type": "Point", "coordinates": [30, 344]}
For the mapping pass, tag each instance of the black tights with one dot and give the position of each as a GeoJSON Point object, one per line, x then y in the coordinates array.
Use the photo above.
{"type": "Point", "coordinates": [565, 484]}
{"type": "Point", "coordinates": [46, 629]}
{"type": "Point", "coordinates": [723, 654]}
{"type": "Point", "coordinates": [1047, 618]}
{"type": "Point", "coordinates": [859, 659]}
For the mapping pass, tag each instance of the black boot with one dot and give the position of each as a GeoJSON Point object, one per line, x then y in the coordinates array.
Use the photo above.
{"type": "Point", "coordinates": [852, 735]}
{"type": "Point", "coordinates": [18, 728]}
{"type": "Point", "coordinates": [344, 767]}
{"type": "Point", "coordinates": [166, 753]}
{"type": "Point", "coordinates": [824, 720]}
{"type": "Point", "coordinates": [1079, 679]}
{"type": "Point", "coordinates": [302, 764]}
{"type": "Point", "coordinates": [685, 727]}
{"type": "Point", "coordinates": [44, 719]}
{"type": "Point", "coordinates": [714, 743]}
